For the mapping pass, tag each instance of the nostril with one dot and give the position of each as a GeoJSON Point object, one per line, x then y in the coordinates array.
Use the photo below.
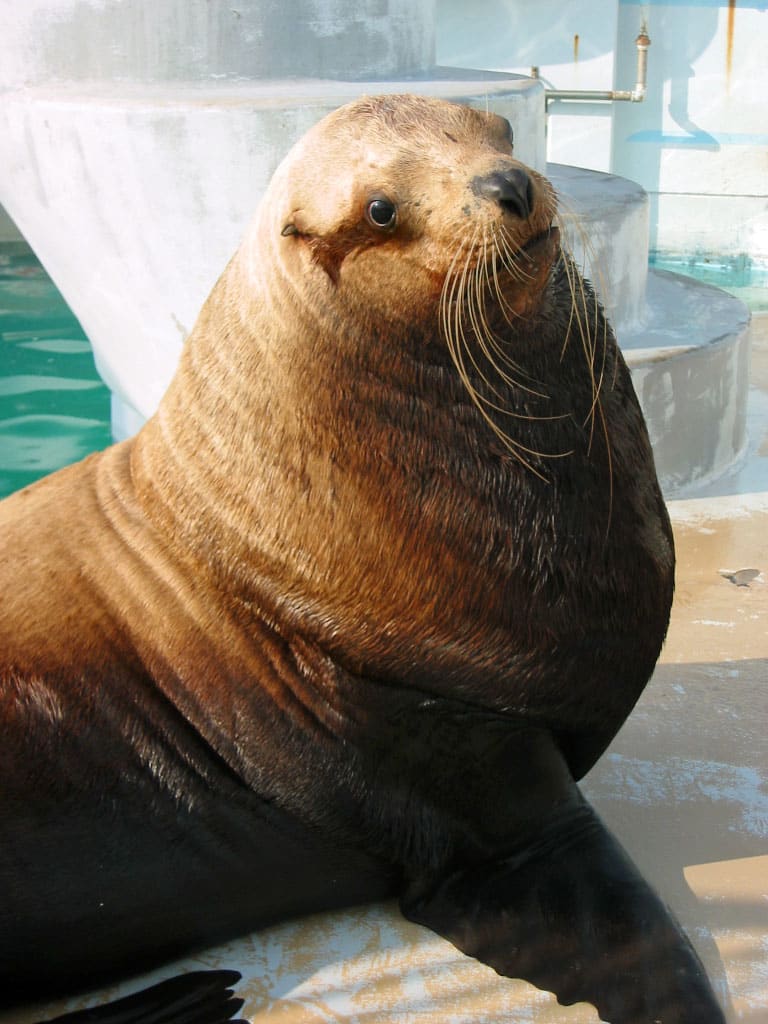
{"type": "Point", "coordinates": [512, 189]}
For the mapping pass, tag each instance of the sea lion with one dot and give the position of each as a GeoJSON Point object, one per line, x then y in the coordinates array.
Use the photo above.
{"type": "Point", "coordinates": [359, 605]}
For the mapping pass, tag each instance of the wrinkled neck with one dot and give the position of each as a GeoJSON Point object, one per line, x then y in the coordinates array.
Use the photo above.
{"type": "Point", "coordinates": [318, 462]}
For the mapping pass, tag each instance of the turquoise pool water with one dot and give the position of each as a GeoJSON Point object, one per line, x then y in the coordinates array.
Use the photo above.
{"type": "Point", "coordinates": [739, 275]}
{"type": "Point", "coordinates": [54, 409]}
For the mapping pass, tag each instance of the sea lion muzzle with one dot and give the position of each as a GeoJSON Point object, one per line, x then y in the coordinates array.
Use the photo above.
{"type": "Point", "coordinates": [511, 188]}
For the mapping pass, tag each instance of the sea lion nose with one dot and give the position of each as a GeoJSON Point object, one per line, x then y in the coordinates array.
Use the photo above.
{"type": "Point", "coordinates": [511, 188]}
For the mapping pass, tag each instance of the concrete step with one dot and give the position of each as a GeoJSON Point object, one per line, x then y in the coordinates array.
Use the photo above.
{"type": "Point", "coordinates": [690, 368]}
{"type": "Point", "coordinates": [605, 227]}
{"type": "Point", "coordinates": [686, 342]}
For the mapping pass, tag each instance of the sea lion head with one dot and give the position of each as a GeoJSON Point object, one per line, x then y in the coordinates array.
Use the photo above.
{"type": "Point", "coordinates": [391, 429]}
{"type": "Point", "coordinates": [423, 193]}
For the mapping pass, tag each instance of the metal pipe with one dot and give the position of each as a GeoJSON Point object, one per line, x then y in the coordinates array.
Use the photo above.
{"type": "Point", "coordinates": [642, 43]}
{"type": "Point", "coordinates": [636, 95]}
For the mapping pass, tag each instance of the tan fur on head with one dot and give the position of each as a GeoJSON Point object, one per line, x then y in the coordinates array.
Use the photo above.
{"type": "Point", "coordinates": [448, 252]}
{"type": "Point", "coordinates": [421, 155]}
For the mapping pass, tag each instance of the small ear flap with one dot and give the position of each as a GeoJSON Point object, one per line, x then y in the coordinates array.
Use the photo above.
{"type": "Point", "coordinates": [297, 225]}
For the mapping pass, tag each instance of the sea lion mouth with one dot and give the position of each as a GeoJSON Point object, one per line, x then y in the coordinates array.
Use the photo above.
{"type": "Point", "coordinates": [550, 237]}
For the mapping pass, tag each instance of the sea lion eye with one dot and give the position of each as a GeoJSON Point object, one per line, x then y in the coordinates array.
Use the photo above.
{"type": "Point", "coordinates": [381, 213]}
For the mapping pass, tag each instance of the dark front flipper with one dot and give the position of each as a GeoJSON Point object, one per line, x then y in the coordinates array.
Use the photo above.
{"type": "Point", "coordinates": [572, 914]}
{"type": "Point", "coordinates": [200, 997]}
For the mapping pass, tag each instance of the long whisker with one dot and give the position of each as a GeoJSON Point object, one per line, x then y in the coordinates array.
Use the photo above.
{"type": "Point", "coordinates": [580, 314]}
{"type": "Point", "coordinates": [499, 255]}
{"type": "Point", "coordinates": [462, 306]}
{"type": "Point", "coordinates": [511, 258]}
{"type": "Point", "coordinates": [585, 310]}
{"type": "Point", "coordinates": [475, 316]}
{"type": "Point", "coordinates": [490, 345]}
{"type": "Point", "coordinates": [456, 341]}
